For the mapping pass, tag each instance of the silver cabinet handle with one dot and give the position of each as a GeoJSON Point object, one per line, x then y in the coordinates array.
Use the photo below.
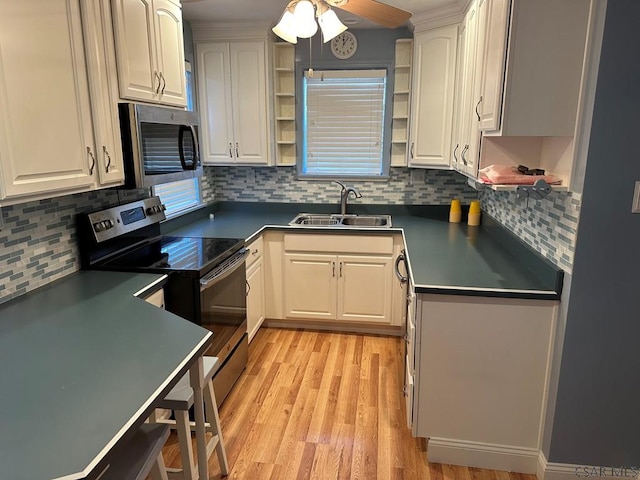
{"type": "Point", "coordinates": [248, 287]}
{"type": "Point", "coordinates": [164, 83]}
{"type": "Point", "coordinates": [341, 265]}
{"type": "Point", "coordinates": [237, 154]}
{"type": "Point", "coordinates": [477, 105]}
{"type": "Point", "coordinates": [157, 76]}
{"type": "Point", "coordinates": [464, 160]}
{"type": "Point", "coordinates": [413, 144]}
{"type": "Point", "coordinates": [255, 252]}
{"type": "Point", "coordinates": [106, 154]}
{"type": "Point", "coordinates": [401, 258]}
{"type": "Point", "coordinates": [454, 152]}
{"type": "Point", "coordinates": [333, 269]}
{"type": "Point", "coordinates": [230, 151]}
{"type": "Point", "coordinates": [93, 160]}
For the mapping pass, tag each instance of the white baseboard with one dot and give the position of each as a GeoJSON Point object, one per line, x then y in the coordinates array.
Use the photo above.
{"type": "Point", "coordinates": [567, 471]}
{"type": "Point", "coordinates": [483, 455]}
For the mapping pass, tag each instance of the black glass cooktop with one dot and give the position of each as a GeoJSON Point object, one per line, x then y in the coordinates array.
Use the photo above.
{"type": "Point", "coordinates": [184, 254]}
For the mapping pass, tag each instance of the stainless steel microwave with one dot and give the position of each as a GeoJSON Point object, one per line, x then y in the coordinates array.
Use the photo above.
{"type": "Point", "coordinates": [160, 144]}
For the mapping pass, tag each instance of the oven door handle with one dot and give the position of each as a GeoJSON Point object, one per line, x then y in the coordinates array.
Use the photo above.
{"type": "Point", "coordinates": [225, 269]}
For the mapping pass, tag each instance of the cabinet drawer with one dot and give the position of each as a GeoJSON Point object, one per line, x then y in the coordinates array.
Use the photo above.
{"type": "Point", "coordinates": [255, 248]}
{"type": "Point", "coordinates": [365, 244]}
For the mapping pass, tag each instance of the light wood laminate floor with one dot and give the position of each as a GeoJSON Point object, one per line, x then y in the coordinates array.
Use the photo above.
{"type": "Point", "coordinates": [318, 405]}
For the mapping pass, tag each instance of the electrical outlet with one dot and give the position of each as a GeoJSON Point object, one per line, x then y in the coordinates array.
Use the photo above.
{"type": "Point", "coordinates": [417, 177]}
{"type": "Point", "coordinates": [635, 207]}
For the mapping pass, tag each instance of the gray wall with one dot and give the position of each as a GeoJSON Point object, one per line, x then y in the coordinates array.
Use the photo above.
{"type": "Point", "coordinates": [376, 49]}
{"type": "Point", "coordinates": [597, 414]}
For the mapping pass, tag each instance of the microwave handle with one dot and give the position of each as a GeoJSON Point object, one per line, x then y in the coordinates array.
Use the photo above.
{"type": "Point", "coordinates": [183, 161]}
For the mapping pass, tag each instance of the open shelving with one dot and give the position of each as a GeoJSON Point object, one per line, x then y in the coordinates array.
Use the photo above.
{"type": "Point", "coordinates": [401, 98]}
{"type": "Point", "coordinates": [285, 103]}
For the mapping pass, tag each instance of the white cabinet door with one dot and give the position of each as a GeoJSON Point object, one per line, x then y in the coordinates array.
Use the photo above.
{"type": "Point", "coordinates": [214, 93]}
{"type": "Point", "coordinates": [255, 298]}
{"type": "Point", "coordinates": [249, 99]}
{"type": "Point", "coordinates": [150, 51]}
{"type": "Point", "coordinates": [133, 22]}
{"type": "Point", "coordinates": [432, 97]}
{"type": "Point", "coordinates": [103, 82]}
{"type": "Point", "coordinates": [310, 286]}
{"type": "Point", "coordinates": [365, 289]}
{"type": "Point", "coordinates": [233, 103]}
{"type": "Point", "coordinates": [495, 15]}
{"type": "Point", "coordinates": [170, 52]}
{"type": "Point", "coordinates": [46, 139]}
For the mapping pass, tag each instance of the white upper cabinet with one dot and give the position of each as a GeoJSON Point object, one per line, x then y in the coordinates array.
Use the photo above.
{"type": "Point", "coordinates": [47, 144]}
{"type": "Point", "coordinates": [433, 85]}
{"type": "Point", "coordinates": [495, 20]}
{"type": "Point", "coordinates": [533, 64]}
{"type": "Point", "coordinates": [233, 104]}
{"type": "Point", "coordinates": [103, 84]}
{"type": "Point", "coordinates": [150, 51]}
{"type": "Point", "coordinates": [466, 135]}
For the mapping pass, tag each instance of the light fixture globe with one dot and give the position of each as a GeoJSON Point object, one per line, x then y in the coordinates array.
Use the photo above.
{"type": "Point", "coordinates": [330, 25]}
{"type": "Point", "coordinates": [286, 27]}
{"type": "Point", "coordinates": [304, 18]}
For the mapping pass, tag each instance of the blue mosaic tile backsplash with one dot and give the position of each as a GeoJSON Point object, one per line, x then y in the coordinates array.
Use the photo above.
{"type": "Point", "coordinates": [279, 184]}
{"type": "Point", "coordinates": [38, 239]}
{"type": "Point", "coordinates": [549, 226]}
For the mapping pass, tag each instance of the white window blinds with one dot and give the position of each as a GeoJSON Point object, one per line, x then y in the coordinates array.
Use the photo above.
{"type": "Point", "coordinates": [178, 196]}
{"type": "Point", "coordinates": [343, 123]}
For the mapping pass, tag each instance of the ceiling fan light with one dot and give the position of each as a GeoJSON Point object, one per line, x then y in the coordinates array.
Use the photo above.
{"type": "Point", "coordinates": [286, 27]}
{"type": "Point", "coordinates": [330, 25]}
{"type": "Point", "coordinates": [304, 16]}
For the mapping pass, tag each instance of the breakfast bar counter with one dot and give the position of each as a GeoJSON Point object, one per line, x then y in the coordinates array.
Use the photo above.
{"type": "Point", "coordinates": [83, 362]}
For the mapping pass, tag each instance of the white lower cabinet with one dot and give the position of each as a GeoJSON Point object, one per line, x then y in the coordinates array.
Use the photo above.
{"type": "Point", "coordinates": [256, 307]}
{"type": "Point", "coordinates": [341, 278]}
{"type": "Point", "coordinates": [482, 369]}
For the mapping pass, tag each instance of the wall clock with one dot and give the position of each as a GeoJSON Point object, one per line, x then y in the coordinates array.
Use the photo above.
{"type": "Point", "coordinates": [344, 45]}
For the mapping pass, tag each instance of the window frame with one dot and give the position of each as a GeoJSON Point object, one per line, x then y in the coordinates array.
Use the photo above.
{"type": "Point", "coordinates": [198, 200]}
{"type": "Point", "coordinates": [386, 126]}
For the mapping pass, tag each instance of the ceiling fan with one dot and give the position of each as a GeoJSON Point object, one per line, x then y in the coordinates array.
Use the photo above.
{"type": "Point", "coordinates": [377, 12]}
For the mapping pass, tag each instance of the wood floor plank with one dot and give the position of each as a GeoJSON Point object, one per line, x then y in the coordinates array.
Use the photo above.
{"type": "Point", "coordinates": [323, 405]}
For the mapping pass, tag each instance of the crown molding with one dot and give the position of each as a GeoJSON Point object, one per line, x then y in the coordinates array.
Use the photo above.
{"type": "Point", "coordinates": [206, 31]}
{"type": "Point", "coordinates": [440, 16]}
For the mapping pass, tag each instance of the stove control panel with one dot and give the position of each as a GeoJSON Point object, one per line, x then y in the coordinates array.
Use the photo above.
{"type": "Point", "coordinates": [116, 221]}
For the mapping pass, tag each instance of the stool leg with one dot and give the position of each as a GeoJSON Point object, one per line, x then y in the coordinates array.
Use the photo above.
{"type": "Point", "coordinates": [158, 472]}
{"type": "Point", "coordinates": [214, 426]}
{"type": "Point", "coordinates": [186, 449]}
{"type": "Point", "coordinates": [196, 378]}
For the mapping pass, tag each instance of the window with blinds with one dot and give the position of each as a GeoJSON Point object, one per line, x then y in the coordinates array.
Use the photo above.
{"type": "Point", "coordinates": [343, 123]}
{"type": "Point", "coordinates": [179, 196]}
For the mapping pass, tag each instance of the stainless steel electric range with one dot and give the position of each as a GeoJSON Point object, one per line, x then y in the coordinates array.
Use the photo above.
{"type": "Point", "coordinates": [207, 282]}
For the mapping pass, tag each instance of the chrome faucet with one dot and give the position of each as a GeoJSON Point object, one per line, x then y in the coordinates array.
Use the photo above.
{"type": "Point", "coordinates": [344, 196]}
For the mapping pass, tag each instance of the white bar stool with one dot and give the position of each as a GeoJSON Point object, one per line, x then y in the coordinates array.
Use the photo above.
{"type": "Point", "coordinates": [180, 400]}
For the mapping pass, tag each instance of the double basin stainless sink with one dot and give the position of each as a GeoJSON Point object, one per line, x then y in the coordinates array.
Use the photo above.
{"type": "Point", "coordinates": [338, 220]}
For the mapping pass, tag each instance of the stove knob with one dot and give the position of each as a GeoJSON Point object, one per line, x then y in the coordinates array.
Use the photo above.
{"type": "Point", "coordinates": [98, 227]}
{"type": "Point", "coordinates": [108, 224]}
{"type": "Point", "coordinates": [150, 211]}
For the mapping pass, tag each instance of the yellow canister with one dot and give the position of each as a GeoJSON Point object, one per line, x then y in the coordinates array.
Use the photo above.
{"type": "Point", "coordinates": [474, 213]}
{"type": "Point", "coordinates": [455, 211]}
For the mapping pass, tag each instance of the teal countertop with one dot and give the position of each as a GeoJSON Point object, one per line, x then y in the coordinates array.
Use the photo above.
{"type": "Point", "coordinates": [444, 258]}
{"type": "Point", "coordinates": [83, 360]}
